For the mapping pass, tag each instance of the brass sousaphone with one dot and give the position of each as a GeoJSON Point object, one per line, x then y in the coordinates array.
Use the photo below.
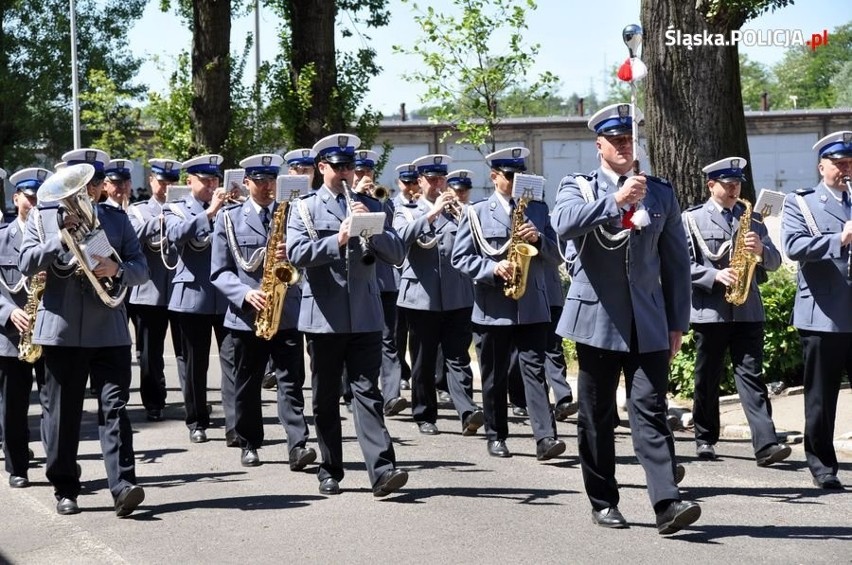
{"type": "Point", "coordinates": [68, 188]}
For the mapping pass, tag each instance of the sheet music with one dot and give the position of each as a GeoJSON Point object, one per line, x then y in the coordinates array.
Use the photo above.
{"type": "Point", "coordinates": [769, 203]}
{"type": "Point", "coordinates": [233, 180]}
{"type": "Point", "coordinates": [367, 223]}
{"type": "Point", "coordinates": [177, 192]}
{"type": "Point", "coordinates": [531, 186]}
{"type": "Point", "coordinates": [286, 184]}
{"type": "Point", "coordinates": [95, 243]}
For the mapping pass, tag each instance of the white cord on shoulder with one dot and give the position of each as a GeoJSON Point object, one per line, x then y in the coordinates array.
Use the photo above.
{"type": "Point", "coordinates": [476, 230]}
{"type": "Point", "coordinates": [808, 215]}
{"type": "Point", "coordinates": [257, 257]}
{"type": "Point", "coordinates": [306, 219]}
{"type": "Point", "coordinates": [613, 241]}
{"type": "Point", "coordinates": [725, 248]}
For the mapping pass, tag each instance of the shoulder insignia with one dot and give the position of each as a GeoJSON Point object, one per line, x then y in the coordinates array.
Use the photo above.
{"type": "Point", "coordinates": [234, 206]}
{"type": "Point", "coordinates": [590, 177]}
{"type": "Point", "coordinates": [111, 209]}
{"type": "Point", "coordinates": [804, 191]}
{"type": "Point", "coordinates": [660, 180]}
{"type": "Point", "coordinates": [311, 194]}
{"type": "Point", "coordinates": [696, 207]}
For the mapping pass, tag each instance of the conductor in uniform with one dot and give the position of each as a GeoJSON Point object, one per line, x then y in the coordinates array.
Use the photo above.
{"type": "Point", "coordinates": [239, 264]}
{"type": "Point", "coordinates": [720, 326]}
{"type": "Point", "coordinates": [341, 314]}
{"type": "Point", "coordinates": [81, 335]}
{"type": "Point", "coordinates": [151, 299]}
{"type": "Point", "coordinates": [626, 309]}
{"type": "Point", "coordinates": [481, 250]}
{"type": "Point", "coordinates": [817, 232]}
{"type": "Point", "coordinates": [16, 375]}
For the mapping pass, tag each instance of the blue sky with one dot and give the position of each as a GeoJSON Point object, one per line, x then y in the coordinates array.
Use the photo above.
{"type": "Point", "coordinates": [580, 41]}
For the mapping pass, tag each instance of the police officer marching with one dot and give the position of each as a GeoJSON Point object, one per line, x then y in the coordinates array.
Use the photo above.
{"type": "Point", "coordinates": [81, 325]}
{"type": "Point", "coordinates": [239, 263]}
{"type": "Point", "coordinates": [341, 314]}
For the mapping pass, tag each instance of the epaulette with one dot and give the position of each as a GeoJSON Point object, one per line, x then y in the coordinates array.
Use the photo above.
{"type": "Point", "coordinates": [660, 180]}
{"type": "Point", "coordinates": [139, 203]}
{"type": "Point", "coordinates": [803, 191]}
{"type": "Point", "coordinates": [589, 177]}
{"type": "Point", "coordinates": [308, 195]}
{"type": "Point", "coordinates": [4, 226]}
{"type": "Point", "coordinates": [234, 205]}
{"type": "Point", "coordinates": [696, 207]}
{"type": "Point", "coordinates": [111, 209]}
{"type": "Point", "coordinates": [48, 205]}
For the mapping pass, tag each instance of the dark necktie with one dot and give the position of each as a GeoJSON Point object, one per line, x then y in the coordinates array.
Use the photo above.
{"type": "Point", "coordinates": [264, 218]}
{"type": "Point", "coordinates": [844, 199]}
{"type": "Point", "coordinates": [341, 200]}
{"type": "Point", "coordinates": [205, 205]}
{"type": "Point", "coordinates": [728, 215]}
{"type": "Point", "coordinates": [512, 206]}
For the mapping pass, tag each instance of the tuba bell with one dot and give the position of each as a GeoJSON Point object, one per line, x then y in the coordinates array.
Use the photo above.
{"type": "Point", "coordinates": [68, 188]}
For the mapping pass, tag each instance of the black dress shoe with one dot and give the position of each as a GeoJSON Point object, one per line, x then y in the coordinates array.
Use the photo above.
{"type": "Point", "coordinates": [705, 451]}
{"type": "Point", "coordinates": [395, 406]}
{"type": "Point", "coordinates": [329, 486]}
{"type": "Point", "coordinates": [428, 428]}
{"type": "Point", "coordinates": [270, 381]}
{"type": "Point", "coordinates": [680, 473]}
{"type": "Point", "coordinates": [301, 457]}
{"type": "Point", "coordinates": [404, 384]}
{"type": "Point", "coordinates": [349, 407]}
{"type": "Point", "coordinates": [249, 458]}
{"type": "Point", "coordinates": [79, 470]}
{"type": "Point", "coordinates": [154, 415]}
{"type": "Point", "coordinates": [232, 439]}
{"type": "Point", "coordinates": [828, 482]}
{"type": "Point", "coordinates": [128, 500]}
{"type": "Point", "coordinates": [564, 409]}
{"type": "Point", "coordinates": [609, 518]}
{"type": "Point", "coordinates": [390, 481]}
{"type": "Point", "coordinates": [17, 481]}
{"type": "Point", "coordinates": [677, 516]}
{"type": "Point", "coordinates": [548, 448]}
{"type": "Point", "coordinates": [198, 436]}
{"type": "Point", "coordinates": [30, 454]}
{"type": "Point", "coordinates": [520, 411]}
{"type": "Point", "coordinates": [772, 454]}
{"type": "Point", "coordinates": [444, 397]}
{"type": "Point", "coordinates": [473, 422]}
{"type": "Point", "coordinates": [497, 448]}
{"type": "Point", "coordinates": [67, 506]}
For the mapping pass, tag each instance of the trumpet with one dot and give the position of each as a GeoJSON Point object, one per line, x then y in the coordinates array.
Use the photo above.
{"type": "Point", "coordinates": [454, 208]}
{"type": "Point", "coordinates": [367, 255]}
{"type": "Point", "coordinates": [381, 192]}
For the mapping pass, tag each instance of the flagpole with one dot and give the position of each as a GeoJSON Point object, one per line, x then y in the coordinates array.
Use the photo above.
{"type": "Point", "coordinates": [75, 91]}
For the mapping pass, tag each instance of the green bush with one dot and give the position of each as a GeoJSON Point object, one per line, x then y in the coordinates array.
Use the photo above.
{"type": "Point", "coordinates": [782, 351]}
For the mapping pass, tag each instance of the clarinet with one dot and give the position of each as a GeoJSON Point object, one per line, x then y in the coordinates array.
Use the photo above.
{"type": "Point", "coordinates": [367, 255]}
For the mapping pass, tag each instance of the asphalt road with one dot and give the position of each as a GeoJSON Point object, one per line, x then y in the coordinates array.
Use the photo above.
{"type": "Point", "coordinates": [460, 505]}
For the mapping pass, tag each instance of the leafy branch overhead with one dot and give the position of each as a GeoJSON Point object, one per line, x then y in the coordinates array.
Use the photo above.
{"type": "Point", "coordinates": [472, 59]}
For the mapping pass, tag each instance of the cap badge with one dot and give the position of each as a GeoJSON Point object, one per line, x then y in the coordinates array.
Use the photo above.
{"type": "Point", "coordinates": [735, 163]}
{"type": "Point", "coordinates": [623, 112]}
{"type": "Point", "coordinates": [41, 175]}
{"type": "Point", "coordinates": [306, 152]}
{"type": "Point", "coordinates": [342, 140]}
{"type": "Point", "coordinates": [168, 166]}
{"type": "Point", "coordinates": [438, 159]}
{"type": "Point", "coordinates": [91, 155]}
{"type": "Point", "coordinates": [266, 160]}
{"type": "Point", "coordinates": [516, 153]}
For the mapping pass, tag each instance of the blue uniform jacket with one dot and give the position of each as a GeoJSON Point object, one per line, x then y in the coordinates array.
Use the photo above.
{"type": "Point", "coordinates": [188, 228]}
{"type": "Point", "coordinates": [234, 282]}
{"type": "Point", "coordinates": [387, 274]}
{"type": "Point", "coordinates": [824, 294]}
{"type": "Point", "coordinates": [606, 296]}
{"type": "Point", "coordinates": [491, 307]}
{"type": "Point", "coordinates": [10, 249]}
{"type": "Point", "coordinates": [338, 296]}
{"type": "Point", "coordinates": [70, 313]}
{"type": "Point", "coordinates": [145, 218]}
{"type": "Point", "coordinates": [708, 296]}
{"type": "Point", "coordinates": [429, 280]}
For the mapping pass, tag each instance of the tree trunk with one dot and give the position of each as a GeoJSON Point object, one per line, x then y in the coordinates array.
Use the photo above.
{"type": "Point", "coordinates": [312, 44]}
{"type": "Point", "coordinates": [694, 114]}
{"type": "Point", "coordinates": [211, 75]}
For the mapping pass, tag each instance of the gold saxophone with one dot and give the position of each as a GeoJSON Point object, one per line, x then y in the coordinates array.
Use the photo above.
{"type": "Point", "coordinates": [520, 254]}
{"type": "Point", "coordinates": [27, 350]}
{"type": "Point", "coordinates": [278, 276]}
{"type": "Point", "coordinates": [743, 262]}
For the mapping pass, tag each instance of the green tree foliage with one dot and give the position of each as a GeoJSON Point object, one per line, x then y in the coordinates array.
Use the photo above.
{"type": "Point", "coordinates": [112, 123]}
{"type": "Point", "coordinates": [810, 75]}
{"type": "Point", "coordinates": [313, 88]}
{"type": "Point", "coordinates": [168, 115]}
{"type": "Point", "coordinates": [755, 79]}
{"type": "Point", "coordinates": [480, 57]}
{"type": "Point", "coordinates": [35, 71]}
